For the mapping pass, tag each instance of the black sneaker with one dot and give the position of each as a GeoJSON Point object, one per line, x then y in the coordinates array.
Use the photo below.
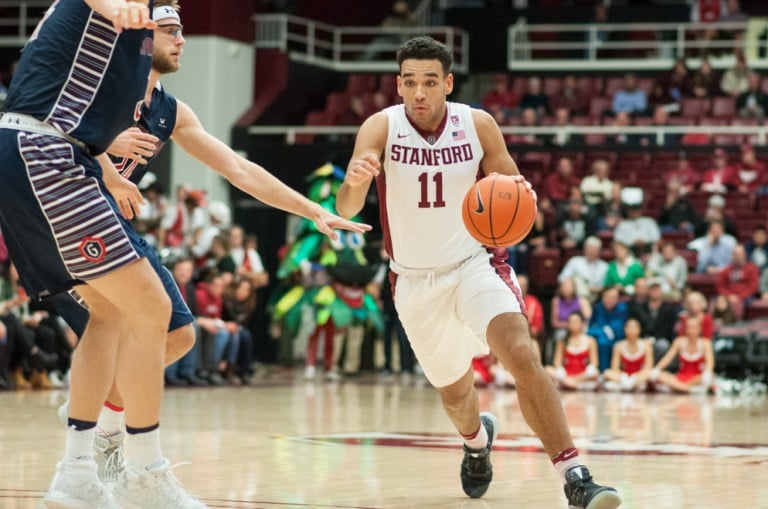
{"type": "Point", "coordinates": [476, 469]}
{"type": "Point", "coordinates": [582, 493]}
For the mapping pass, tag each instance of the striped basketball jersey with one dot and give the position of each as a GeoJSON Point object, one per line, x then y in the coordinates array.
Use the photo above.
{"type": "Point", "coordinates": [632, 363]}
{"type": "Point", "coordinates": [422, 188]}
{"type": "Point", "coordinates": [158, 119]}
{"type": "Point", "coordinates": [82, 77]}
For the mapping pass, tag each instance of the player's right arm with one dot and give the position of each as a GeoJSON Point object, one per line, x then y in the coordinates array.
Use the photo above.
{"type": "Point", "coordinates": [364, 165]}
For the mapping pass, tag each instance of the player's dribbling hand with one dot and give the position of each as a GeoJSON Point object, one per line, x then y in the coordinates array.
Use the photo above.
{"type": "Point", "coordinates": [362, 170]}
{"type": "Point", "coordinates": [134, 144]}
{"type": "Point", "coordinates": [129, 14]}
{"type": "Point", "coordinates": [520, 178]}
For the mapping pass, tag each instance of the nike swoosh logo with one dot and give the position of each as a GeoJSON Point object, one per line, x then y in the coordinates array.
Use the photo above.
{"type": "Point", "coordinates": [480, 207]}
{"type": "Point", "coordinates": [400, 136]}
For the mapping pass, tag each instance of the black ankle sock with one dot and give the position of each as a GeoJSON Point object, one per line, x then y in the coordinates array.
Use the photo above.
{"type": "Point", "coordinates": [79, 425]}
{"type": "Point", "coordinates": [136, 431]}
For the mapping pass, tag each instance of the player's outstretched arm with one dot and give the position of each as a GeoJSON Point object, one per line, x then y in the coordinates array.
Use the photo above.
{"type": "Point", "coordinates": [364, 166]}
{"type": "Point", "coordinates": [250, 177]}
{"type": "Point", "coordinates": [124, 14]}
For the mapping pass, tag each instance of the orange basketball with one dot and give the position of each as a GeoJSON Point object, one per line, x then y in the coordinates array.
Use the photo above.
{"type": "Point", "coordinates": [498, 212]}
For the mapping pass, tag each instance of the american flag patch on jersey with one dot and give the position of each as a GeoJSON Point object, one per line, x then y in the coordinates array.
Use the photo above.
{"type": "Point", "coordinates": [458, 135]}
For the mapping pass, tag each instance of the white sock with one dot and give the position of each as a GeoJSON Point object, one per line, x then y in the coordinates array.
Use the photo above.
{"type": "Point", "coordinates": [110, 420]}
{"type": "Point", "coordinates": [143, 449]}
{"type": "Point", "coordinates": [565, 461]}
{"type": "Point", "coordinates": [479, 441]}
{"type": "Point", "coordinates": [79, 443]}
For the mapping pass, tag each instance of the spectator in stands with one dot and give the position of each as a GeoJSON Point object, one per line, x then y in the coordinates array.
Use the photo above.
{"type": "Point", "coordinates": [247, 260]}
{"type": "Point", "coordinates": [220, 258]}
{"type": "Point", "coordinates": [749, 175]}
{"type": "Point", "coordinates": [184, 370]}
{"type": "Point", "coordinates": [722, 312]}
{"type": "Point", "coordinates": [684, 176]}
{"type": "Point", "coordinates": [576, 225]}
{"type": "Point", "coordinates": [613, 211]}
{"type": "Point", "coordinates": [528, 118]}
{"type": "Point", "coordinates": [597, 187]}
{"type": "Point", "coordinates": [764, 285]}
{"type": "Point", "coordinates": [695, 308]}
{"type": "Point", "coordinates": [400, 17]}
{"type": "Point", "coordinates": [355, 112]}
{"type": "Point", "coordinates": [501, 100]}
{"type": "Point", "coordinates": [657, 318]}
{"type": "Point", "coordinates": [214, 330]}
{"type": "Point", "coordinates": [678, 213]}
{"type": "Point", "coordinates": [218, 220]}
{"type": "Point", "coordinates": [576, 358]}
{"type": "Point", "coordinates": [679, 80]}
{"type": "Point", "coordinates": [697, 362]}
{"type": "Point", "coordinates": [623, 270]}
{"type": "Point", "coordinates": [757, 247]}
{"type": "Point", "coordinates": [571, 98]}
{"type": "Point", "coordinates": [149, 217]}
{"type": "Point", "coordinates": [239, 306]}
{"type": "Point", "coordinates": [637, 231]}
{"type": "Point", "coordinates": [558, 184]}
{"type": "Point", "coordinates": [630, 99]}
{"type": "Point", "coordinates": [535, 98]}
{"type": "Point", "coordinates": [565, 302]}
{"type": "Point", "coordinates": [669, 270]}
{"type": "Point", "coordinates": [705, 83]}
{"type": "Point", "coordinates": [660, 119]}
{"type": "Point", "coordinates": [738, 281]}
{"type": "Point", "coordinates": [587, 271]}
{"type": "Point", "coordinates": [609, 315]}
{"type": "Point", "coordinates": [718, 177]}
{"type": "Point", "coordinates": [735, 81]}
{"type": "Point", "coordinates": [715, 249]}
{"type": "Point", "coordinates": [716, 212]}
{"type": "Point", "coordinates": [661, 98]}
{"type": "Point", "coordinates": [565, 136]}
{"type": "Point", "coordinates": [619, 122]}
{"type": "Point", "coordinates": [753, 102]}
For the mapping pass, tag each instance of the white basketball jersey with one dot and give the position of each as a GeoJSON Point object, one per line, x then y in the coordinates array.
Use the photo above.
{"type": "Point", "coordinates": [422, 188]}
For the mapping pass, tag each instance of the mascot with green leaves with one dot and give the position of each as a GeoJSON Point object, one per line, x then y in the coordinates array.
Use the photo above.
{"type": "Point", "coordinates": [329, 278]}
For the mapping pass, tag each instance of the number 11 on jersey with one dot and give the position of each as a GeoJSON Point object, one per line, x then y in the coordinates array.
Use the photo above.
{"type": "Point", "coordinates": [437, 179]}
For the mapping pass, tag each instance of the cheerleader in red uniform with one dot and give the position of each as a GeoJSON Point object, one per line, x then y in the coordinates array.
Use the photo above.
{"type": "Point", "coordinates": [631, 362]}
{"type": "Point", "coordinates": [696, 358]}
{"type": "Point", "coordinates": [575, 362]}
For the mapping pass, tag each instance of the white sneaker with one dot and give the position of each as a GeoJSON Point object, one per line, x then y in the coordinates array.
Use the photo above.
{"type": "Point", "coordinates": [309, 373]}
{"type": "Point", "coordinates": [138, 488]}
{"type": "Point", "coordinates": [76, 486]}
{"type": "Point", "coordinates": [108, 453]}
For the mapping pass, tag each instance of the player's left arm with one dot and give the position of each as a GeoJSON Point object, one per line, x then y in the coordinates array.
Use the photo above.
{"type": "Point", "coordinates": [496, 158]}
{"type": "Point", "coordinates": [253, 179]}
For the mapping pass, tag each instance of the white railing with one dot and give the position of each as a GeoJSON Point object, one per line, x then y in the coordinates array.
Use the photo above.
{"type": "Point", "coordinates": [19, 19]}
{"type": "Point", "coordinates": [760, 133]}
{"type": "Point", "coordinates": [350, 49]}
{"type": "Point", "coordinates": [630, 46]}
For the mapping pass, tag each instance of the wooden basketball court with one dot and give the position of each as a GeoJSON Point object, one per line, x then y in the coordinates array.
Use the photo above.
{"type": "Point", "coordinates": [287, 444]}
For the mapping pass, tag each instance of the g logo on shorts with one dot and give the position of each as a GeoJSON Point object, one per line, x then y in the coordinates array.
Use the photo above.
{"type": "Point", "coordinates": [93, 249]}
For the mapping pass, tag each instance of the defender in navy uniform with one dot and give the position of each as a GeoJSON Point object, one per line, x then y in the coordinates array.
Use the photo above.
{"type": "Point", "coordinates": [78, 84]}
{"type": "Point", "coordinates": [164, 117]}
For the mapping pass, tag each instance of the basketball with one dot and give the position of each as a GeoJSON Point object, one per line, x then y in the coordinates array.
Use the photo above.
{"type": "Point", "coordinates": [498, 211]}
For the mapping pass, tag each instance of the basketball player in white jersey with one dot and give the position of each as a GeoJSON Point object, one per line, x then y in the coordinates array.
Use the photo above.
{"type": "Point", "coordinates": [454, 298]}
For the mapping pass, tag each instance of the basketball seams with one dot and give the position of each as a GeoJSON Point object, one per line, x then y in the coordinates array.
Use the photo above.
{"type": "Point", "coordinates": [509, 212]}
{"type": "Point", "coordinates": [514, 215]}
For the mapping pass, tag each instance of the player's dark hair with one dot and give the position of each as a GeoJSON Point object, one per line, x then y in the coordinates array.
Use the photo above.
{"type": "Point", "coordinates": [577, 313]}
{"type": "Point", "coordinates": [425, 48]}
